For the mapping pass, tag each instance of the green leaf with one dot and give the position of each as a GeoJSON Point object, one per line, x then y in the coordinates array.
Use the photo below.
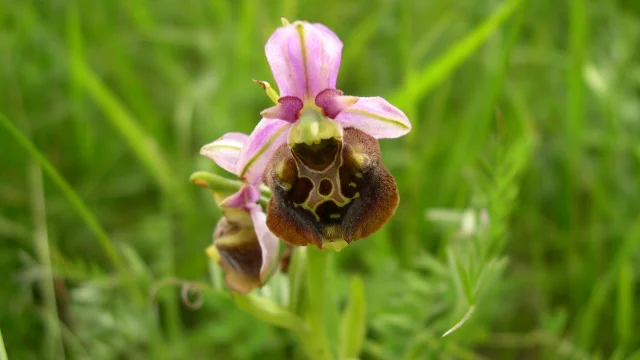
{"type": "Point", "coordinates": [461, 277]}
{"type": "Point", "coordinates": [76, 201]}
{"type": "Point", "coordinates": [459, 324]}
{"type": "Point", "coordinates": [143, 145]}
{"type": "Point", "coordinates": [354, 321]}
{"type": "Point", "coordinates": [270, 312]}
{"type": "Point", "coordinates": [434, 73]}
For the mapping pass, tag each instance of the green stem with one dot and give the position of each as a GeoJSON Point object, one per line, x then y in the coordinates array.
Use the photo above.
{"type": "Point", "coordinates": [223, 185]}
{"type": "Point", "coordinates": [53, 339]}
{"type": "Point", "coordinates": [317, 342]}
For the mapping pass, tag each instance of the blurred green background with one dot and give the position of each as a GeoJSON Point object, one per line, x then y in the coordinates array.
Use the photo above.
{"type": "Point", "coordinates": [519, 182]}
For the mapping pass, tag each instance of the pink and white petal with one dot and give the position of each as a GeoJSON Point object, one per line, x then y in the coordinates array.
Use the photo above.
{"type": "Point", "coordinates": [268, 242]}
{"type": "Point", "coordinates": [332, 102]}
{"type": "Point", "coordinates": [304, 58]}
{"type": "Point", "coordinates": [241, 199]}
{"type": "Point", "coordinates": [288, 109]}
{"type": "Point", "coordinates": [376, 117]}
{"type": "Point", "coordinates": [268, 135]}
{"type": "Point", "coordinates": [225, 150]}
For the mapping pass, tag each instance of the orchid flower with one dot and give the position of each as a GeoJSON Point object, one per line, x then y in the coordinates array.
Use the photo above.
{"type": "Point", "coordinates": [318, 146]}
{"type": "Point", "coordinates": [242, 244]}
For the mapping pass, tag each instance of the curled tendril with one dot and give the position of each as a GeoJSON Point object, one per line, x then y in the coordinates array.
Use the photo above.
{"type": "Point", "coordinates": [192, 297]}
{"type": "Point", "coordinates": [191, 292]}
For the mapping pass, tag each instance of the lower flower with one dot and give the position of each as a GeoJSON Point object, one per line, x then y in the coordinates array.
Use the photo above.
{"type": "Point", "coordinates": [237, 250]}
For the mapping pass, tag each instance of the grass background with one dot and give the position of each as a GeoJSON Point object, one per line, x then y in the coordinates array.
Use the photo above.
{"type": "Point", "coordinates": [527, 113]}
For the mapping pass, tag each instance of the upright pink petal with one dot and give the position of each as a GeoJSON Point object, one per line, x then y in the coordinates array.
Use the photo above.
{"type": "Point", "coordinates": [225, 150]}
{"type": "Point", "coordinates": [263, 141]}
{"type": "Point", "coordinates": [376, 117]}
{"type": "Point", "coordinates": [268, 242]}
{"type": "Point", "coordinates": [304, 59]}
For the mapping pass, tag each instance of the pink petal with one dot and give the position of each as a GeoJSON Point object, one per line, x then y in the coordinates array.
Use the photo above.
{"type": "Point", "coordinates": [332, 102]}
{"type": "Point", "coordinates": [268, 135]}
{"type": "Point", "coordinates": [268, 242]}
{"type": "Point", "coordinates": [376, 117]}
{"type": "Point", "coordinates": [288, 109]}
{"type": "Point", "coordinates": [225, 150]}
{"type": "Point", "coordinates": [247, 195]}
{"type": "Point", "coordinates": [304, 59]}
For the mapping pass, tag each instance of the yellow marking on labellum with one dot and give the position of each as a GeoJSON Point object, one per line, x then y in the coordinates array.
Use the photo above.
{"type": "Point", "coordinates": [358, 175]}
{"type": "Point", "coordinates": [353, 184]}
{"type": "Point", "coordinates": [280, 169]}
{"type": "Point", "coordinates": [334, 216]}
{"type": "Point", "coordinates": [306, 207]}
{"type": "Point", "coordinates": [360, 158]}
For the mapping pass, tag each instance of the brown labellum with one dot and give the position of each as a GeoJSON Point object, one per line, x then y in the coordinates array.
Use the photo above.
{"type": "Point", "coordinates": [238, 253]}
{"type": "Point", "coordinates": [329, 191]}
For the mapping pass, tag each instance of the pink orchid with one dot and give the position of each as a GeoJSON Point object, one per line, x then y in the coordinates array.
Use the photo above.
{"type": "Point", "coordinates": [305, 59]}
{"type": "Point", "coordinates": [243, 245]}
{"type": "Point", "coordinates": [317, 149]}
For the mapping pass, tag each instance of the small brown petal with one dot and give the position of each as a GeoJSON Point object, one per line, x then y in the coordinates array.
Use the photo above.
{"type": "Point", "coordinates": [239, 255]}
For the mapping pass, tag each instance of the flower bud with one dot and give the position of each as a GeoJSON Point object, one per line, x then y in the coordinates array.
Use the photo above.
{"type": "Point", "coordinates": [237, 250]}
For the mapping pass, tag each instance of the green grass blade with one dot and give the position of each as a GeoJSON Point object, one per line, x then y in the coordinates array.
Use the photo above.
{"type": "Point", "coordinates": [625, 314]}
{"type": "Point", "coordinates": [463, 320]}
{"type": "Point", "coordinates": [354, 322]}
{"type": "Point", "coordinates": [75, 200]}
{"type": "Point", "coordinates": [53, 340]}
{"type": "Point", "coordinates": [434, 73]}
{"type": "Point", "coordinates": [143, 146]}
{"type": "Point", "coordinates": [82, 125]}
{"type": "Point", "coordinates": [587, 324]}
{"type": "Point", "coordinates": [3, 351]}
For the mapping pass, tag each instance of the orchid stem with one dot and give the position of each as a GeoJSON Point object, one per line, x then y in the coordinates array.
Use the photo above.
{"type": "Point", "coordinates": [318, 342]}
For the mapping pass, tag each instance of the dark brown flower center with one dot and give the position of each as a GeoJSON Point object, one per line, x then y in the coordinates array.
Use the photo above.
{"type": "Point", "coordinates": [333, 190]}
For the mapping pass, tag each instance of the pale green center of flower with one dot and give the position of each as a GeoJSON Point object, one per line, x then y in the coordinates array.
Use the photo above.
{"type": "Point", "coordinates": [313, 126]}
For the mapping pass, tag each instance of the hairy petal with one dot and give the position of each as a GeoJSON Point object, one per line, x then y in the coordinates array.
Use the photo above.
{"type": "Point", "coordinates": [376, 117]}
{"type": "Point", "coordinates": [243, 198]}
{"type": "Point", "coordinates": [268, 242]}
{"type": "Point", "coordinates": [348, 200]}
{"type": "Point", "coordinates": [288, 109]}
{"type": "Point", "coordinates": [225, 150]}
{"type": "Point", "coordinates": [332, 102]}
{"type": "Point", "coordinates": [304, 58]}
{"type": "Point", "coordinates": [263, 141]}
{"type": "Point", "coordinates": [237, 250]}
